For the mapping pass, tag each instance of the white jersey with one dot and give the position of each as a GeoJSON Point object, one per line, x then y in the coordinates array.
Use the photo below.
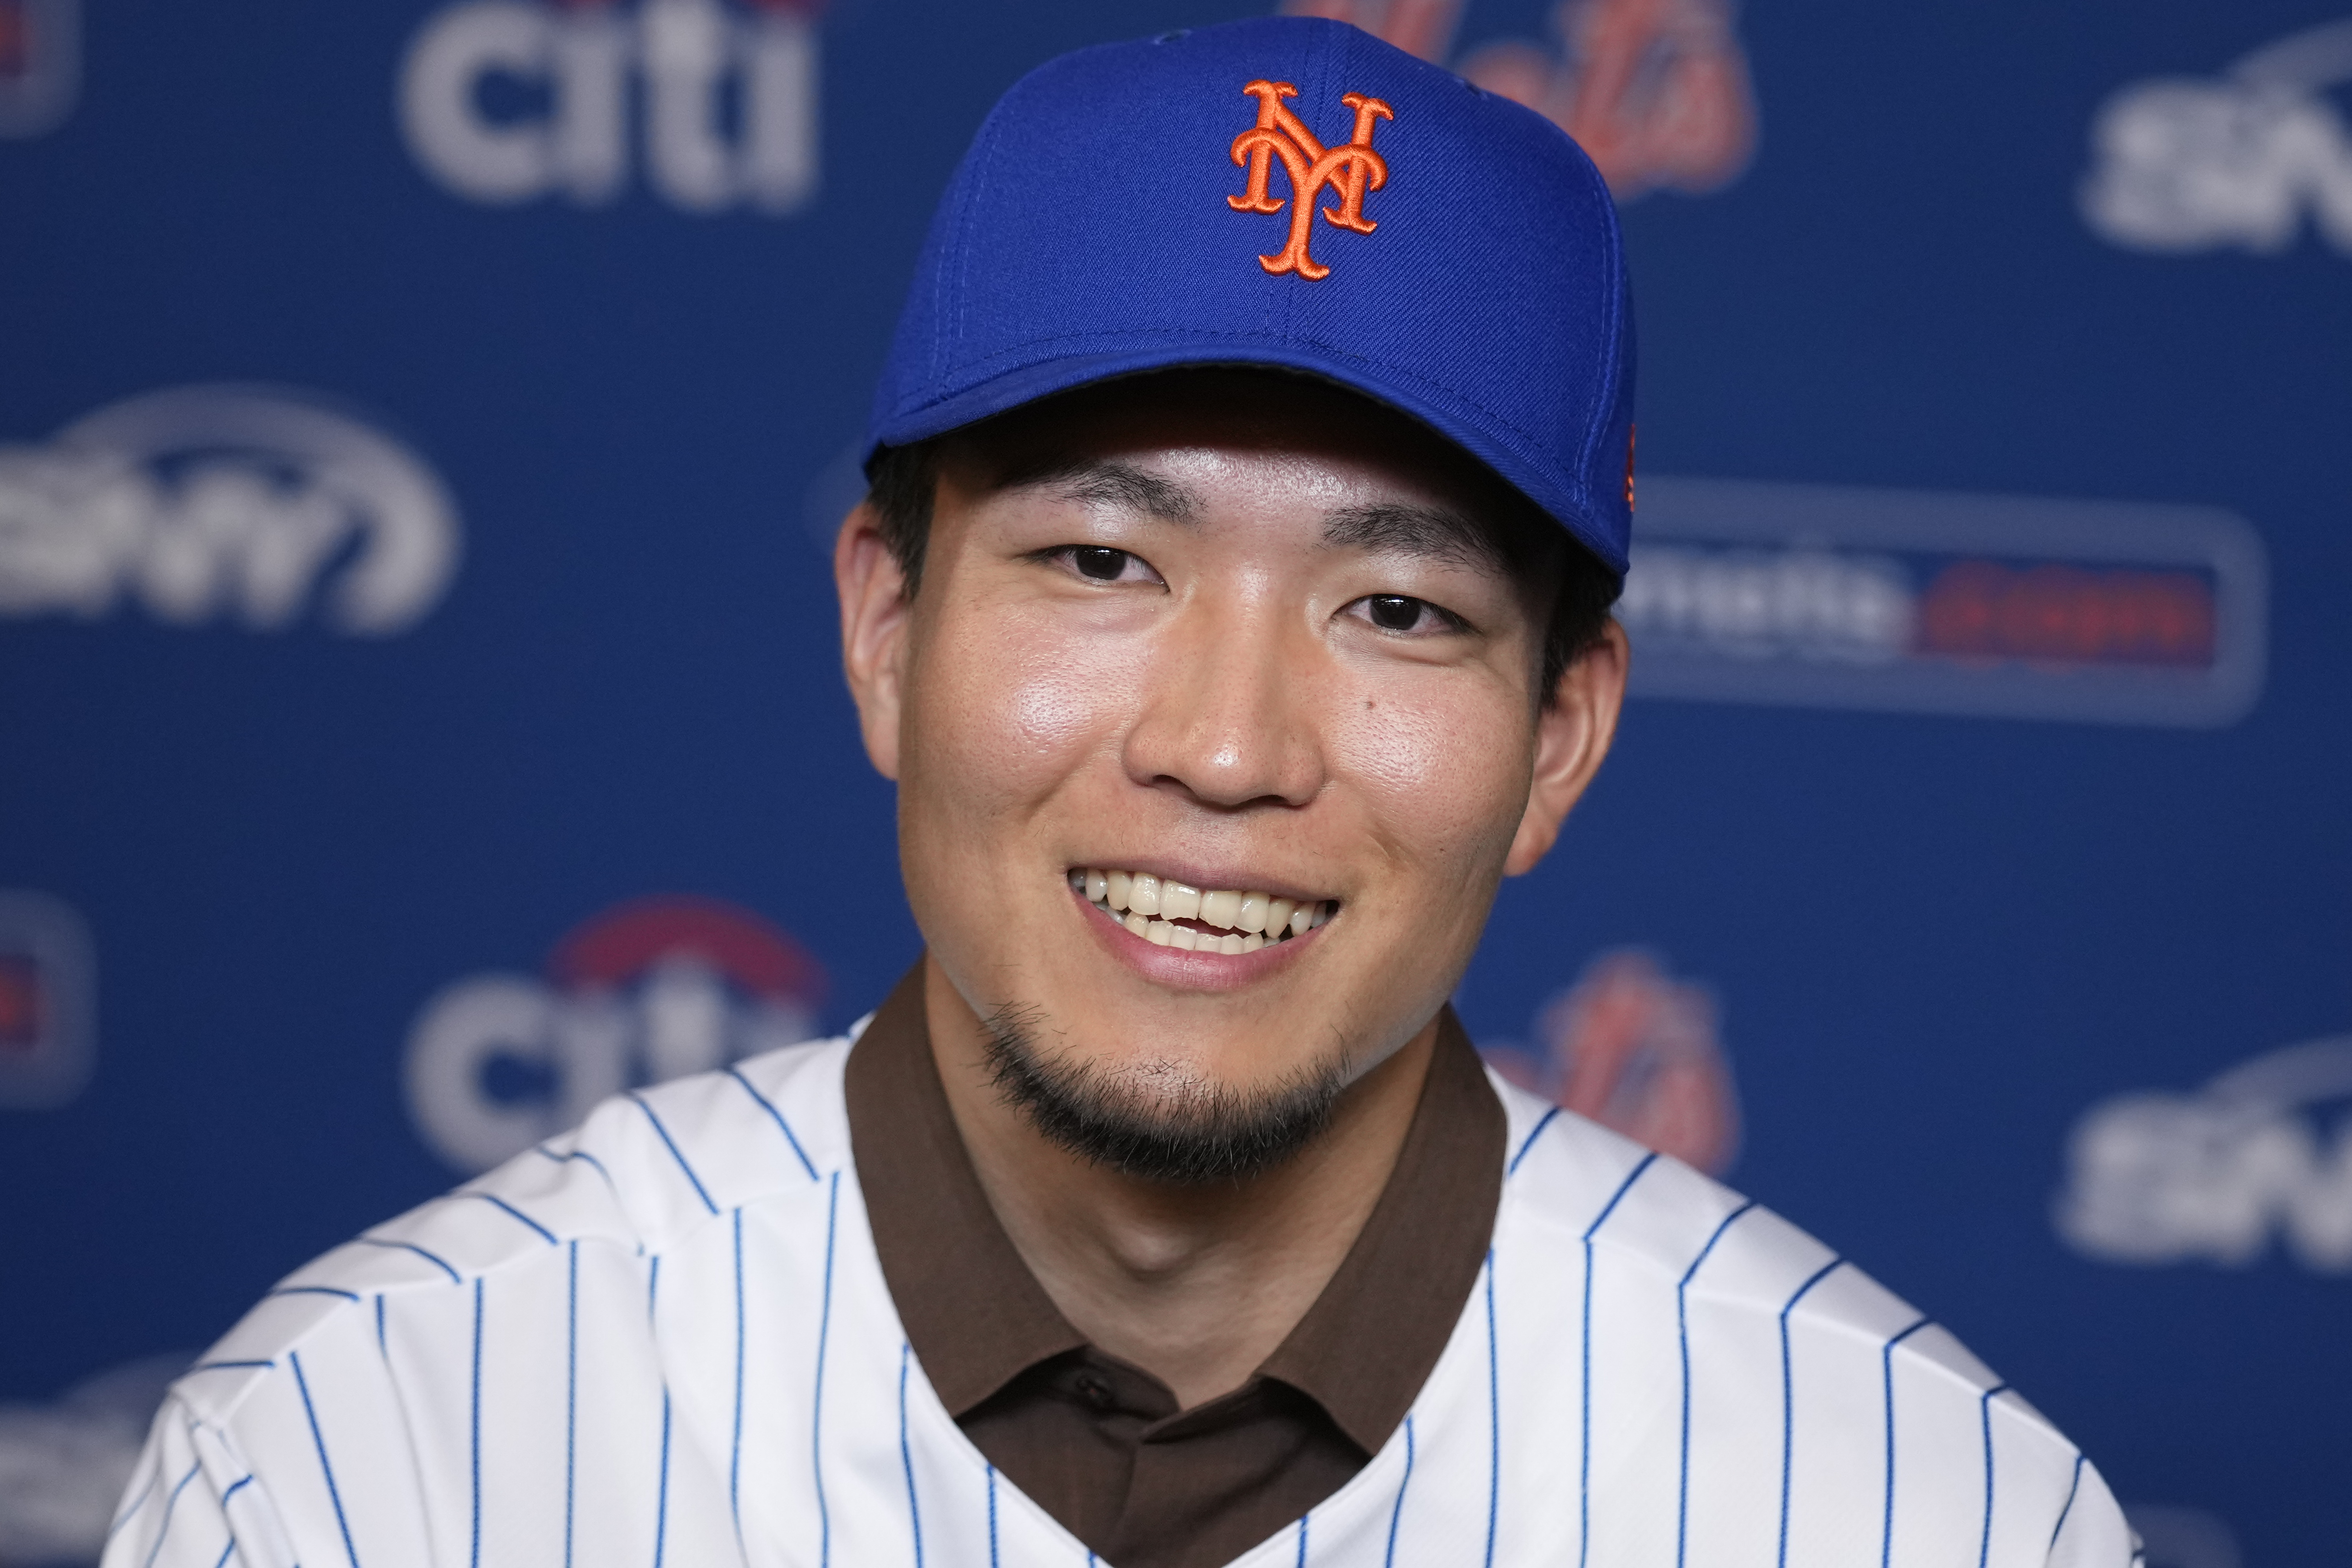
{"type": "Point", "coordinates": [666, 1339]}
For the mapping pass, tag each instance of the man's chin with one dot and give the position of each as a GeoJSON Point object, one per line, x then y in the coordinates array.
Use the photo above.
{"type": "Point", "coordinates": [1158, 1121]}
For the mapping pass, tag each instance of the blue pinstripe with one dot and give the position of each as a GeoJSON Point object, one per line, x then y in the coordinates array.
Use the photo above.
{"type": "Point", "coordinates": [661, 1506]}
{"type": "Point", "coordinates": [1302, 1538]}
{"type": "Point", "coordinates": [675, 1153]}
{"type": "Point", "coordinates": [582, 1154]}
{"type": "Point", "coordinates": [1789, 1399]}
{"type": "Point", "coordinates": [2072, 1487]}
{"type": "Point", "coordinates": [571, 1395]}
{"type": "Point", "coordinates": [169, 1504]}
{"type": "Point", "coordinates": [235, 1486]}
{"type": "Point", "coordinates": [1396, 1511]}
{"type": "Point", "coordinates": [1529, 1141]}
{"type": "Point", "coordinates": [1584, 1444]}
{"type": "Point", "coordinates": [1494, 1418]}
{"type": "Point", "coordinates": [1886, 1362]}
{"type": "Point", "coordinates": [544, 1233]}
{"type": "Point", "coordinates": [383, 1345]}
{"type": "Point", "coordinates": [907, 1455]}
{"type": "Point", "coordinates": [326, 1468]}
{"type": "Point", "coordinates": [475, 1424]}
{"type": "Point", "coordinates": [1682, 1331]}
{"type": "Point", "coordinates": [313, 1290]}
{"type": "Point", "coordinates": [777, 1117]}
{"type": "Point", "coordinates": [440, 1263]}
{"type": "Point", "coordinates": [1984, 1552]}
{"type": "Point", "coordinates": [824, 1335]}
{"type": "Point", "coordinates": [735, 1458]}
{"type": "Point", "coordinates": [227, 1552]}
{"type": "Point", "coordinates": [992, 1517]}
{"type": "Point", "coordinates": [155, 1473]}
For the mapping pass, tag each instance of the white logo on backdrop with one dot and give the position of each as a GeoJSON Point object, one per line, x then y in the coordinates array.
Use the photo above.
{"type": "Point", "coordinates": [2214, 1177]}
{"type": "Point", "coordinates": [508, 100]}
{"type": "Point", "coordinates": [2185, 163]}
{"type": "Point", "coordinates": [48, 1004]}
{"type": "Point", "coordinates": [64, 1466]}
{"type": "Point", "coordinates": [221, 502]}
{"type": "Point", "coordinates": [1909, 601]}
{"type": "Point", "coordinates": [41, 65]}
{"type": "Point", "coordinates": [650, 991]}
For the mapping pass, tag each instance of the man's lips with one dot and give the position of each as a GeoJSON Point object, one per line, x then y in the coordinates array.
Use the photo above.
{"type": "Point", "coordinates": [1199, 968]}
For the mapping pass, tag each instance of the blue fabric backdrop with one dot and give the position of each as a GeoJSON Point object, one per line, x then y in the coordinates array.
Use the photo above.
{"type": "Point", "coordinates": [419, 708]}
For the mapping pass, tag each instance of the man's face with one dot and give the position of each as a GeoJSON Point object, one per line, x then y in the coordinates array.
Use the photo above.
{"type": "Point", "coordinates": [1240, 635]}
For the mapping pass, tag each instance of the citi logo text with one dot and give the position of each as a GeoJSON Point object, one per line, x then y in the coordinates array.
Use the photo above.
{"type": "Point", "coordinates": [1350, 170]}
{"type": "Point", "coordinates": [655, 990]}
{"type": "Point", "coordinates": [2218, 1176]}
{"type": "Point", "coordinates": [505, 102]}
{"type": "Point", "coordinates": [2243, 160]}
{"type": "Point", "coordinates": [209, 503]}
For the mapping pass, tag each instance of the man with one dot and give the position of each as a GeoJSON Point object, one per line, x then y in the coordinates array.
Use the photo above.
{"type": "Point", "coordinates": [1231, 610]}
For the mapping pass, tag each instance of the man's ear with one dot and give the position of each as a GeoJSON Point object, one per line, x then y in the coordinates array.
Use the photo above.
{"type": "Point", "coordinates": [1572, 735]}
{"type": "Point", "coordinates": [874, 625]}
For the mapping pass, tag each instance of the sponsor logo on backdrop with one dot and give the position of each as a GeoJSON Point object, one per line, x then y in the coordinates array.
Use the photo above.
{"type": "Point", "coordinates": [2246, 159]}
{"type": "Point", "coordinates": [651, 990]}
{"type": "Point", "coordinates": [48, 1004]}
{"type": "Point", "coordinates": [714, 105]}
{"type": "Point", "coordinates": [1924, 602]}
{"type": "Point", "coordinates": [1636, 1050]}
{"type": "Point", "coordinates": [1656, 91]}
{"type": "Point", "coordinates": [41, 65]}
{"type": "Point", "coordinates": [2260, 1156]}
{"type": "Point", "coordinates": [226, 503]}
{"type": "Point", "coordinates": [64, 1466]}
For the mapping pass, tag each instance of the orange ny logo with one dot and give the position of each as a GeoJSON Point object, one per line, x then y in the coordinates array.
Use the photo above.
{"type": "Point", "coordinates": [1349, 170]}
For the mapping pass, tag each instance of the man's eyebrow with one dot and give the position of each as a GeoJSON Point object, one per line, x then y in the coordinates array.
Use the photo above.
{"type": "Point", "coordinates": [1432, 533]}
{"type": "Point", "coordinates": [1101, 482]}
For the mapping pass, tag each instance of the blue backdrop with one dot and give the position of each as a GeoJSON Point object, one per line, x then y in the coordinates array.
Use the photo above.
{"type": "Point", "coordinates": [420, 711]}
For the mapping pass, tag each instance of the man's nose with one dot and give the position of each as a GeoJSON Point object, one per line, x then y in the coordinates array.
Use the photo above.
{"type": "Point", "coordinates": [1226, 711]}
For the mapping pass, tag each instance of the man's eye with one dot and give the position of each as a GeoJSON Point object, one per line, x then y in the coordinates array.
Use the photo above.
{"type": "Point", "coordinates": [1099, 564]}
{"type": "Point", "coordinates": [1395, 613]}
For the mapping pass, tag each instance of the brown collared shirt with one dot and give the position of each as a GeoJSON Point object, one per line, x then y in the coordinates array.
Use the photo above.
{"type": "Point", "coordinates": [1099, 1443]}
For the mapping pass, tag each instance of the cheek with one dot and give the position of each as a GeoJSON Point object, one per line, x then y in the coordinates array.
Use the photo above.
{"type": "Point", "coordinates": [1443, 764]}
{"type": "Point", "coordinates": [1005, 708]}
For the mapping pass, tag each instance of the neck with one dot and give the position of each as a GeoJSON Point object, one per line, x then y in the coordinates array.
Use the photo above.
{"type": "Point", "coordinates": [1196, 1285]}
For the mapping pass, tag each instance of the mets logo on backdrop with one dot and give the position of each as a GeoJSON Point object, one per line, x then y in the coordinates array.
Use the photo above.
{"type": "Point", "coordinates": [48, 1000]}
{"type": "Point", "coordinates": [41, 64]}
{"type": "Point", "coordinates": [653, 989]}
{"type": "Point", "coordinates": [1349, 170]}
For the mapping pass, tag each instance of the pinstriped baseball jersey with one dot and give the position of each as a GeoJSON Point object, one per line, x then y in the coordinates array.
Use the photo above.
{"type": "Point", "coordinates": [664, 1339]}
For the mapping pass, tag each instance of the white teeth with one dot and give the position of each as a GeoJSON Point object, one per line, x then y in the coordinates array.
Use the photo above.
{"type": "Point", "coordinates": [1154, 910]}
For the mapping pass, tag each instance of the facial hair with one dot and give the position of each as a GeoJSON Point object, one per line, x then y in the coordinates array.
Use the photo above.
{"type": "Point", "coordinates": [1158, 1123]}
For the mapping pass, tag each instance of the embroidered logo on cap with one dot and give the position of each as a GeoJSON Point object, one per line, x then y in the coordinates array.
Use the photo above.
{"type": "Point", "coordinates": [1351, 170]}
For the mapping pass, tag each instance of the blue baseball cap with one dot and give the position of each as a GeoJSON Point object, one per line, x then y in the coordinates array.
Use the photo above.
{"type": "Point", "coordinates": [1285, 192]}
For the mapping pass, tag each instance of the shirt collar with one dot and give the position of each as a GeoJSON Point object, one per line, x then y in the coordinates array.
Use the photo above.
{"type": "Point", "coordinates": [977, 1317]}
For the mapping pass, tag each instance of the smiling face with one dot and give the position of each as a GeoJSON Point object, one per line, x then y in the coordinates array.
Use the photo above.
{"type": "Point", "coordinates": [1215, 725]}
